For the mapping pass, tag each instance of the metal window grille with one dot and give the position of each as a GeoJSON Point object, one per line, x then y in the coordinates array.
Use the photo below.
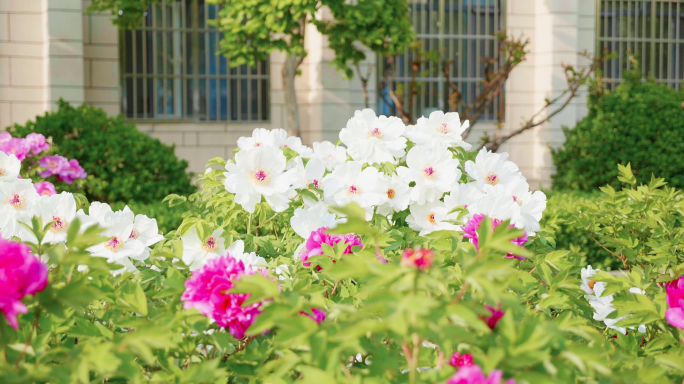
{"type": "Point", "coordinates": [171, 69]}
{"type": "Point", "coordinates": [651, 31]}
{"type": "Point", "coordinates": [463, 31]}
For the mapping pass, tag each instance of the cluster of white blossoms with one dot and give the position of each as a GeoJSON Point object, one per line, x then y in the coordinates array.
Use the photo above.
{"type": "Point", "coordinates": [129, 236]}
{"type": "Point", "coordinates": [427, 178]}
{"type": "Point", "coordinates": [603, 305]}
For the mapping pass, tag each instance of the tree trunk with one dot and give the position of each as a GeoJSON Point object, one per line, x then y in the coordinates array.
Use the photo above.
{"type": "Point", "coordinates": [291, 107]}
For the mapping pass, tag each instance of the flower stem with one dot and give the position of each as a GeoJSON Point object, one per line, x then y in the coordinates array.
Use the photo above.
{"type": "Point", "coordinates": [249, 223]}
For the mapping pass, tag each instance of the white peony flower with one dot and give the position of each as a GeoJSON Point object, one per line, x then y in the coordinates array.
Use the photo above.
{"type": "Point", "coordinates": [282, 140]}
{"type": "Point", "coordinates": [237, 251]}
{"type": "Point", "coordinates": [496, 204]}
{"type": "Point", "coordinates": [432, 169]}
{"type": "Point", "coordinates": [100, 212]}
{"type": "Point", "coordinates": [439, 129]}
{"type": "Point", "coordinates": [348, 183]}
{"type": "Point", "coordinates": [259, 172]}
{"type": "Point", "coordinates": [9, 167]}
{"type": "Point", "coordinates": [429, 217]}
{"type": "Point", "coordinates": [196, 251]}
{"type": "Point", "coordinates": [60, 209]}
{"type": "Point", "coordinates": [331, 155]}
{"type": "Point", "coordinates": [261, 137]}
{"type": "Point", "coordinates": [16, 198]}
{"type": "Point", "coordinates": [120, 248]}
{"type": "Point", "coordinates": [492, 169]}
{"type": "Point", "coordinates": [312, 173]}
{"type": "Point", "coordinates": [398, 195]}
{"type": "Point", "coordinates": [532, 205]}
{"type": "Point", "coordinates": [305, 221]}
{"type": "Point", "coordinates": [146, 230]}
{"type": "Point", "coordinates": [463, 195]}
{"type": "Point", "coordinates": [374, 139]}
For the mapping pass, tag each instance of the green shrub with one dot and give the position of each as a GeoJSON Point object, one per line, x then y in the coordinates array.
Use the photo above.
{"type": "Point", "coordinates": [638, 123]}
{"type": "Point", "coordinates": [123, 164]}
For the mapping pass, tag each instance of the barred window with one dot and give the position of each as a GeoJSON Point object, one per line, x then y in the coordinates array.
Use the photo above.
{"type": "Point", "coordinates": [651, 31]}
{"type": "Point", "coordinates": [171, 69]}
{"type": "Point", "coordinates": [466, 37]}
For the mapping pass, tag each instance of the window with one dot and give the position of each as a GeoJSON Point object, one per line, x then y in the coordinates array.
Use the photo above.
{"type": "Point", "coordinates": [649, 30]}
{"type": "Point", "coordinates": [171, 69]}
{"type": "Point", "coordinates": [467, 36]}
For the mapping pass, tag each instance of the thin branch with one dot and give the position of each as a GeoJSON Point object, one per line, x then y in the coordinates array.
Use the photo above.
{"type": "Point", "coordinates": [241, 348]}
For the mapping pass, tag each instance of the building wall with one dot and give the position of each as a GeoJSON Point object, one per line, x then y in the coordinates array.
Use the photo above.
{"type": "Point", "coordinates": [53, 48]}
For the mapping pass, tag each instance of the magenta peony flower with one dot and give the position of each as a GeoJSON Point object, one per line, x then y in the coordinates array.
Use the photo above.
{"type": "Point", "coordinates": [421, 258]}
{"type": "Point", "coordinates": [21, 274]}
{"type": "Point", "coordinates": [19, 147]}
{"type": "Point", "coordinates": [317, 315]}
{"type": "Point", "coordinates": [675, 301]}
{"type": "Point", "coordinates": [72, 172]}
{"type": "Point", "coordinates": [54, 165]}
{"type": "Point", "coordinates": [458, 360]}
{"type": "Point", "coordinates": [472, 374]}
{"type": "Point", "coordinates": [473, 225]}
{"type": "Point", "coordinates": [314, 244]}
{"type": "Point", "coordinates": [45, 188]}
{"type": "Point", "coordinates": [37, 143]}
{"type": "Point", "coordinates": [491, 320]}
{"type": "Point", "coordinates": [207, 290]}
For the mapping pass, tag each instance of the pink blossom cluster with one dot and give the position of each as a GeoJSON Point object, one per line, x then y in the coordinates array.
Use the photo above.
{"type": "Point", "coordinates": [21, 274]}
{"type": "Point", "coordinates": [316, 315]}
{"type": "Point", "coordinates": [45, 188]}
{"type": "Point", "coordinates": [473, 225]}
{"type": "Point", "coordinates": [207, 291]}
{"type": "Point", "coordinates": [65, 170]}
{"type": "Point", "coordinates": [675, 302]}
{"type": "Point", "coordinates": [314, 244]}
{"type": "Point", "coordinates": [472, 374]}
{"type": "Point", "coordinates": [458, 360]}
{"type": "Point", "coordinates": [420, 258]}
{"type": "Point", "coordinates": [493, 319]}
{"type": "Point", "coordinates": [33, 145]}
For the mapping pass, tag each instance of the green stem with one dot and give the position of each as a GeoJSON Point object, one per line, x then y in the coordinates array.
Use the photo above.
{"type": "Point", "coordinates": [249, 223]}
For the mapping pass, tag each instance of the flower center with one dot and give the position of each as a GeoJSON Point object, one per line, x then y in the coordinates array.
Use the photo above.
{"type": "Point", "coordinates": [2, 172]}
{"type": "Point", "coordinates": [52, 164]}
{"type": "Point", "coordinates": [114, 244]}
{"type": "Point", "coordinates": [257, 144]}
{"type": "Point", "coordinates": [591, 284]}
{"type": "Point", "coordinates": [45, 192]}
{"type": "Point", "coordinates": [260, 176]}
{"type": "Point", "coordinates": [429, 172]}
{"type": "Point", "coordinates": [59, 225]}
{"type": "Point", "coordinates": [16, 201]}
{"type": "Point", "coordinates": [443, 129]}
{"type": "Point", "coordinates": [391, 193]}
{"type": "Point", "coordinates": [517, 200]}
{"type": "Point", "coordinates": [316, 183]}
{"type": "Point", "coordinates": [431, 218]}
{"type": "Point", "coordinates": [352, 190]}
{"type": "Point", "coordinates": [492, 178]}
{"type": "Point", "coordinates": [376, 132]}
{"type": "Point", "coordinates": [134, 234]}
{"type": "Point", "coordinates": [211, 245]}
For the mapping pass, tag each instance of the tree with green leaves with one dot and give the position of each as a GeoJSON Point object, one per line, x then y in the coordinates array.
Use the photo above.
{"type": "Point", "coordinates": [256, 28]}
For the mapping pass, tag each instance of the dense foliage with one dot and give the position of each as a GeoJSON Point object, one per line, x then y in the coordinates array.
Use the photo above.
{"type": "Point", "coordinates": [641, 123]}
{"type": "Point", "coordinates": [123, 164]}
{"type": "Point", "coordinates": [349, 285]}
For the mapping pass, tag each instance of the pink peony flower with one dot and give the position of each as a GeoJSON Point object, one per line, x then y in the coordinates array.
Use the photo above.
{"type": "Point", "coordinates": [19, 147]}
{"type": "Point", "coordinates": [314, 244]}
{"type": "Point", "coordinates": [37, 143]}
{"type": "Point", "coordinates": [5, 137]}
{"type": "Point", "coordinates": [45, 188]}
{"type": "Point", "coordinates": [21, 274]}
{"type": "Point", "coordinates": [54, 165]}
{"type": "Point", "coordinates": [675, 301]}
{"type": "Point", "coordinates": [473, 225]}
{"type": "Point", "coordinates": [317, 315]}
{"type": "Point", "coordinates": [494, 318]}
{"type": "Point", "coordinates": [207, 290]}
{"type": "Point", "coordinates": [458, 360]}
{"type": "Point", "coordinates": [72, 172]}
{"type": "Point", "coordinates": [473, 374]}
{"type": "Point", "coordinates": [421, 258]}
